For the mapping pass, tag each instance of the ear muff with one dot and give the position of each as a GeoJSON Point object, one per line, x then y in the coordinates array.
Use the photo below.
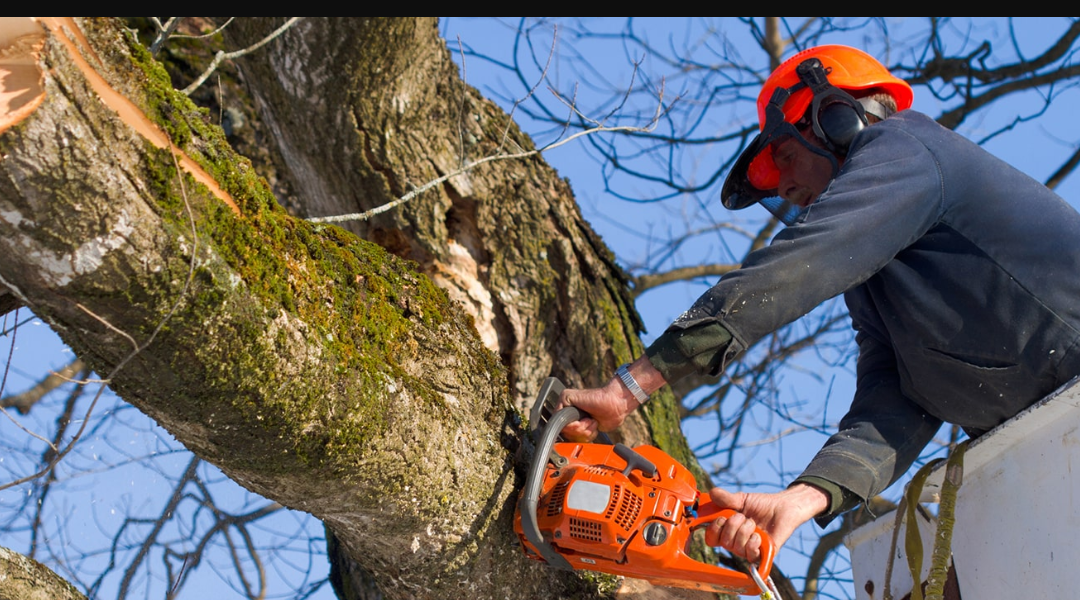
{"type": "Point", "coordinates": [838, 124]}
{"type": "Point", "coordinates": [834, 114]}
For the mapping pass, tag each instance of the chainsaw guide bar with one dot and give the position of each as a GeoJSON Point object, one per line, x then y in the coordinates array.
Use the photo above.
{"type": "Point", "coordinates": [618, 510]}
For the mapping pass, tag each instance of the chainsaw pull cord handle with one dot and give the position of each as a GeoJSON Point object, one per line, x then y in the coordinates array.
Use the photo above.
{"type": "Point", "coordinates": [530, 496]}
{"type": "Point", "coordinates": [708, 511]}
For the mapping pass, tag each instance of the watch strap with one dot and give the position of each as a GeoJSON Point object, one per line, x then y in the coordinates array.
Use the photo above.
{"type": "Point", "coordinates": [623, 372]}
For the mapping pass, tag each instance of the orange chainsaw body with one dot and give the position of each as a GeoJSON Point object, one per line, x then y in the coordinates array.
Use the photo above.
{"type": "Point", "coordinates": [601, 510]}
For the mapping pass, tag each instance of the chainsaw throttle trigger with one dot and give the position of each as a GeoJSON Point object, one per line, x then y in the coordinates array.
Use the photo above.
{"type": "Point", "coordinates": [707, 512]}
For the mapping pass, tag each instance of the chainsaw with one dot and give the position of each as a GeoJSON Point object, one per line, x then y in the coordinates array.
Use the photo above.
{"type": "Point", "coordinates": [619, 510]}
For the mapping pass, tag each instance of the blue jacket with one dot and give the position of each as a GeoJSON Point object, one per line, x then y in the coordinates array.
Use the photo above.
{"type": "Point", "coordinates": [962, 277]}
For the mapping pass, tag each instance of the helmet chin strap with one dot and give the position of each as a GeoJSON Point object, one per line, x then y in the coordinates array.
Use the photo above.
{"type": "Point", "coordinates": [833, 160]}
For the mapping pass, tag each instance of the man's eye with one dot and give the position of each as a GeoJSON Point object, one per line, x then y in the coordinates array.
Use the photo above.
{"type": "Point", "coordinates": [781, 157]}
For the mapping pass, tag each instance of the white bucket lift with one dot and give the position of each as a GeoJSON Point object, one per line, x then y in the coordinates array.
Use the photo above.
{"type": "Point", "coordinates": [1017, 514]}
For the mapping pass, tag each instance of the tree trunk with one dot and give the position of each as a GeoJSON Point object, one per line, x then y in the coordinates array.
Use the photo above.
{"type": "Point", "coordinates": [363, 111]}
{"type": "Point", "coordinates": [310, 366]}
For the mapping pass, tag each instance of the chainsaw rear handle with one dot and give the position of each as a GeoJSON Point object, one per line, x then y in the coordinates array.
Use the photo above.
{"type": "Point", "coordinates": [708, 511]}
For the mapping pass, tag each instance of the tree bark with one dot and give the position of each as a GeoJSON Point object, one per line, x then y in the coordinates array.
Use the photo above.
{"type": "Point", "coordinates": [23, 578]}
{"type": "Point", "coordinates": [310, 366]}
{"type": "Point", "coordinates": [363, 111]}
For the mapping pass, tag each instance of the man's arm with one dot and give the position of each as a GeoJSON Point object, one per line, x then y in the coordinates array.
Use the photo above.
{"type": "Point", "coordinates": [879, 438]}
{"type": "Point", "coordinates": [675, 354]}
{"type": "Point", "coordinates": [609, 406]}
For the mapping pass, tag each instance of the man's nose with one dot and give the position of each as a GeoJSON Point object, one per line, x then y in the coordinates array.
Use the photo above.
{"type": "Point", "coordinates": [786, 188]}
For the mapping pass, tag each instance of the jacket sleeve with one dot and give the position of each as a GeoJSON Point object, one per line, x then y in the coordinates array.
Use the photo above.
{"type": "Point", "coordinates": [680, 352]}
{"type": "Point", "coordinates": [881, 435]}
{"type": "Point", "coordinates": [887, 195]}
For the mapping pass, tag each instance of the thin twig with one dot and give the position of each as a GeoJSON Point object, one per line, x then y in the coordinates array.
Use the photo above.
{"type": "Point", "coordinates": [532, 90]}
{"type": "Point", "coordinates": [599, 128]}
{"type": "Point", "coordinates": [3, 384]}
{"type": "Point", "coordinates": [109, 325]}
{"type": "Point", "coordinates": [205, 35]}
{"type": "Point", "coordinates": [223, 56]}
{"type": "Point", "coordinates": [159, 524]}
{"type": "Point", "coordinates": [434, 182]}
{"type": "Point", "coordinates": [62, 424]}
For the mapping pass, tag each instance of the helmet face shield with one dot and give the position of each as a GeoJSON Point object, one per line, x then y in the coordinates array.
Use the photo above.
{"type": "Point", "coordinates": [754, 175]}
{"type": "Point", "coordinates": [754, 178]}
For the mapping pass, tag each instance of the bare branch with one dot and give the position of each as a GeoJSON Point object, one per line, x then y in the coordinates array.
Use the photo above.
{"type": "Point", "coordinates": [1064, 170]}
{"type": "Point", "coordinates": [465, 169]}
{"type": "Point", "coordinates": [643, 283]}
{"type": "Point", "coordinates": [62, 422]}
{"type": "Point", "coordinates": [598, 128]}
{"type": "Point", "coordinates": [151, 538]}
{"type": "Point", "coordinates": [773, 43]}
{"type": "Point", "coordinates": [8, 302]}
{"type": "Point", "coordinates": [24, 401]}
{"type": "Point", "coordinates": [223, 56]}
{"type": "Point", "coordinates": [180, 36]}
{"type": "Point", "coordinates": [163, 32]}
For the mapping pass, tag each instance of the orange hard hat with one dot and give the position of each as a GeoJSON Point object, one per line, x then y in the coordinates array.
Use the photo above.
{"type": "Point", "coordinates": [849, 69]}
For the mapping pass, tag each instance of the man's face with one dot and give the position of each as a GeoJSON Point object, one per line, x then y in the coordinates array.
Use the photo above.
{"type": "Point", "coordinates": [803, 174]}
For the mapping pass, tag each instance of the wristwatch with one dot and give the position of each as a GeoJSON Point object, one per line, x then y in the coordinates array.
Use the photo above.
{"type": "Point", "coordinates": [631, 384]}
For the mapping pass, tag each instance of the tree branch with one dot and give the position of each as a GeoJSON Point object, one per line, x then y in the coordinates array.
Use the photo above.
{"type": "Point", "coordinates": [643, 283]}
{"type": "Point", "coordinates": [1064, 170]}
{"type": "Point", "coordinates": [8, 302]}
{"type": "Point", "coordinates": [24, 577]}
{"type": "Point", "coordinates": [222, 56]}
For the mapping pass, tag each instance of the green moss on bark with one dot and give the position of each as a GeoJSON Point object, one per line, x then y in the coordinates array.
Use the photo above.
{"type": "Point", "coordinates": [351, 307]}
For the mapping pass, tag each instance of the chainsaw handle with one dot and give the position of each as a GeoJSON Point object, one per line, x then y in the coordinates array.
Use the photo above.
{"type": "Point", "coordinates": [551, 387]}
{"type": "Point", "coordinates": [708, 511]}
{"type": "Point", "coordinates": [530, 496]}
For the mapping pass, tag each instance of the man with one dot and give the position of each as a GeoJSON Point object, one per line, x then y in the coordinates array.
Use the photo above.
{"type": "Point", "coordinates": [960, 274]}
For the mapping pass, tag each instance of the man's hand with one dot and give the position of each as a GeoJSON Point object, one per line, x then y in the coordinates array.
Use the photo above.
{"type": "Point", "coordinates": [608, 406]}
{"type": "Point", "coordinates": [777, 514]}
